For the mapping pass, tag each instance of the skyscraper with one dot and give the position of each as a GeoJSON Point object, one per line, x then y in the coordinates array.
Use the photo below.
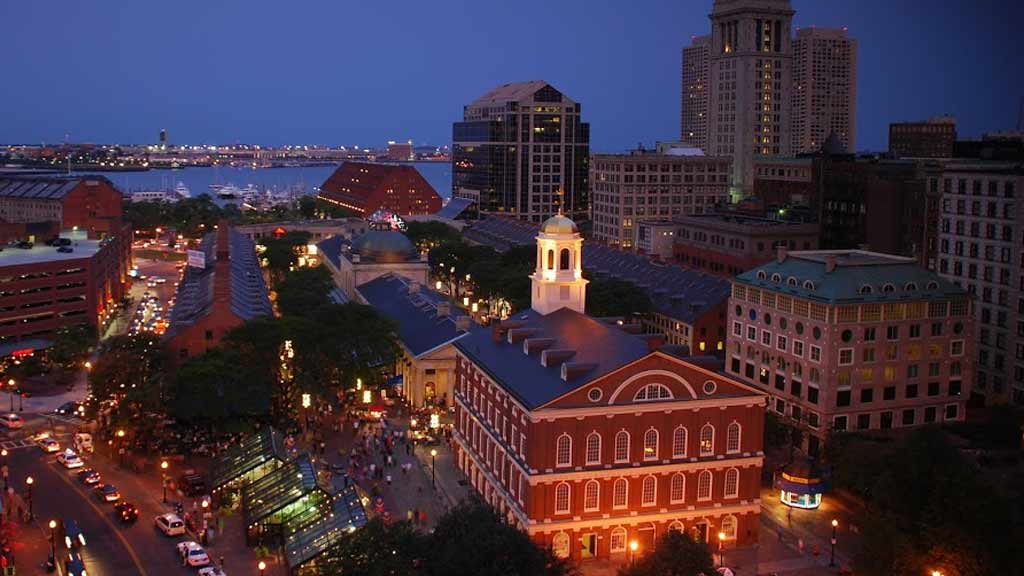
{"type": "Point", "coordinates": [750, 75]}
{"type": "Point", "coordinates": [694, 108]}
{"type": "Point", "coordinates": [824, 88]}
{"type": "Point", "coordinates": [521, 150]}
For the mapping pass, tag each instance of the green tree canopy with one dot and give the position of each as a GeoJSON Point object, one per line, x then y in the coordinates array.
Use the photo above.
{"type": "Point", "coordinates": [431, 234]}
{"type": "Point", "coordinates": [128, 379]}
{"type": "Point", "coordinates": [674, 554]}
{"type": "Point", "coordinates": [218, 389]}
{"type": "Point", "coordinates": [611, 297]}
{"type": "Point", "coordinates": [303, 291]}
{"type": "Point", "coordinates": [379, 549]}
{"type": "Point", "coordinates": [71, 347]}
{"type": "Point", "coordinates": [281, 253]}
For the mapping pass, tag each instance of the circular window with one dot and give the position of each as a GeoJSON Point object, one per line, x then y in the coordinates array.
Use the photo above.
{"type": "Point", "coordinates": [768, 319]}
{"type": "Point", "coordinates": [739, 311]}
{"type": "Point", "coordinates": [594, 394]}
{"type": "Point", "coordinates": [817, 333]}
{"type": "Point", "coordinates": [783, 323]}
{"type": "Point", "coordinates": [958, 328]}
{"type": "Point", "coordinates": [847, 335]}
{"type": "Point", "coordinates": [752, 314]}
{"type": "Point", "coordinates": [710, 387]}
{"type": "Point", "coordinates": [799, 327]}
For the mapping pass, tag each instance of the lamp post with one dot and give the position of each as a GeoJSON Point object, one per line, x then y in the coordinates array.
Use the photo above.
{"type": "Point", "coordinates": [163, 477]}
{"type": "Point", "coordinates": [5, 470]}
{"type": "Point", "coordinates": [120, 446]}
{"type": "Point", "coordinates": [633, 545]}
{"type": "Point", "coordinates": [28, 482]}
{"type": "Point", "coordinates": [832, 554]}
{"type": "Point", "coordinates": [721, 549]}
{"type": "Point", "coordinates": [10, 392]}
{"type": "Point", "coordinates": [433, 476]}
{"type": "Point", "coordinates": [53, 542]}
{"type": "Point", "coordinates": [262, 566]}
{"type": "Point", "coordinates": [936, 573]}
{"type": "Point", "coordinates": [21, 401]}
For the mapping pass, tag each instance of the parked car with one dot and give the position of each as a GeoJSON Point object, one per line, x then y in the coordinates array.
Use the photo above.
{"type": "Point", "coordinates": [70, 459]}
{"type": "Point", "coordinates": [47, 444]}
{"type": "Point", "coordinates": [170, 524]}
{"type": "Point", "coordinates": [192, 484]}
{"type": "Point", "coordinates": [89, 477]}
{"type": "Point", "coordinates": [65, 249]}
{"type": "Point", "coordinates": [107, 493]}
{"type": "Point", "coordinates": [127, 512]}
{"type": "Point", "coordinates": [193, 553]}
{"type": "Point", "coordinates": [12, 421]}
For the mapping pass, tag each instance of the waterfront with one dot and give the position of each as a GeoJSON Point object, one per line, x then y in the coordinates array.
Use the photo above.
{"type": "Point", "coordinates": [199, 179]}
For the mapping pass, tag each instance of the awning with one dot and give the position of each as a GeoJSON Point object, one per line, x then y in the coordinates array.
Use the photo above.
{"type": "Point", "coordinates": [800, 488]}
{"type": "Point", "coordinates": [272, 493]}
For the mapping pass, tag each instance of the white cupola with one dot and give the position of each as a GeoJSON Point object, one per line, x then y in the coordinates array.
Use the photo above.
{"type": "Point", "coordinates": [558, 282]}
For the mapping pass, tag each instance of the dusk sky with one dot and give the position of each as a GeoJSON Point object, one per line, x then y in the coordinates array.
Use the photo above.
{"type": "Point", "coordinates": [346, 72]}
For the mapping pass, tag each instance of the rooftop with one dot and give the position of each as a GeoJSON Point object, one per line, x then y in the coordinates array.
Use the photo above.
{"type": "Point", "coordinates": [324, 531]}
{"type": "Point", "coordinates": [420, 327]}
{"type": "Point", "coordinates": [850, 276]}
{"type": "Point", "coordinates": [41, 253]}
{"type": "Point", "coordinates": [41, 187]}
{"type": "Point", "coordinates": [253, 451]}
{"type": "Point", "coordinates": [511, 92]}
{"type": "Point", "coordinates": [738, 220]}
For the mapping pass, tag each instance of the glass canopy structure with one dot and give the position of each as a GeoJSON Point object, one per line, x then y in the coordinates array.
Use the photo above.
{"type": "Point", "coordinates": [254, 457]}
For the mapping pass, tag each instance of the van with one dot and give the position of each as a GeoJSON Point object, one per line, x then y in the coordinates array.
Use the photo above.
{"type": "Point", "coordinates": [83, 442]}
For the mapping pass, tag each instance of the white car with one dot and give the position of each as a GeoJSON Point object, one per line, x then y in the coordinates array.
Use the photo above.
{"type": "Point", "coordinates": [193, 553]}
{"type": "Point", "coordinates": [47, 444]}
{"type": "Point", "coordinates": [170, 524]}
{"type": "Point", "coordinates": [69, 459]}
{"type": "Point", "coordinates": [12, 421]}
{"type": "Point", "coordinates": [212, 571]}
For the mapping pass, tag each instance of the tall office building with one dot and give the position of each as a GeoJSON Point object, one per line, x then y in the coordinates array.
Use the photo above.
{"type": "Point", "coordinates": [824, 88]}
{"type": "Point", "coordinates": [694, 107]}
{"type": "Point", "coordinates": [521, 150]}
{"type": "Point", "coordinates": [750, 75]}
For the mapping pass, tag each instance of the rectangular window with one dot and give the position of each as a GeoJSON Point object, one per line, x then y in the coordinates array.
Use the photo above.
{"type": "Point", "coordinates": [812, 394]}
{"type": "Point", "coordinates": [908, 417]}
{"type": "Point", "coordinates": [868, 354]}
{"type": "Point", "coordinates": [843, 398]}
{"type": "Point", "coordinates": [816, 353]}
{"type": "Point", "coordinates": [766, 338]}
{"type": "Point", "coordinates": [952, 411]}
{"type": "Point", "coordinates": [752, 333]}
{"type": "Point", "coordinates": [781, 342]}
{"type": "Point", "coordinates": [867, 395]}
{"type": "Point", "coordinates": [737, 329]}
{"type": "Point", "coordinates": [886, 420]}
{"type": "Point", "coordinates": [845, 356]}
{"type": "Point", "coordinates": [839, 423]}
{"type": "Point", "coordinates": [798, 348]}
{"type": "Point", "coordinates": [889, 393]}
{"type": "Point", "coordinates": [956, 348]}
{"type": "Point", "coordinates": [933, 388]}
{"type": "Point", "coordinates": [863, 421]}
{"type": "Point", "coordinates": [911, 391]}
{"type": "Point", "coordinates": [929, 414]}
{"type": "Point", "coordinates": [869, 334]}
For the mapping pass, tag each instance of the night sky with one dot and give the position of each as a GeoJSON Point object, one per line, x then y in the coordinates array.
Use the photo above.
{"type": "Point", "coordinates": [364, 72]}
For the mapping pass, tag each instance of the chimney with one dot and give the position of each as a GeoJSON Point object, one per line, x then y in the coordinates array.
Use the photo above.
{"type": "Point", "coordinates": [531, 345]}
{"type": "Point", "coordinates": [572, 370]}
{"type": "Point", "coordinates": [223, 251]}
{"type": "Point", "coordinates": [781, 254]}
{"type": "Point", "coordinates": [414, 287]}
{"type": "Point", "coordinates": [444, 307]}
{"type": "Point", "coordinates": [555, 356]}
{"type": "Point", "coordinates": [830, 263]}
{"type": "Point", "coordinates": [462, 323]}
{"type": "Point", "coordinates": [519, 334]}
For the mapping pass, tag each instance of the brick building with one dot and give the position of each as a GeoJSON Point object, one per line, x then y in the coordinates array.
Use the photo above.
{"type": "Point", "coordinates": [932, 138]}
{"type": "Point", "coordinates": [89, 203]}
{"type": "Point", "coordinates": [226, 291]}
{"type": "Point", "coordinates": [365, 188]}
{"type": "Point", "coordinates": [590, 438]}
{"type": "Point", "coordinates": [727, 244]}
{"type": "Point", "coordinates": [852, 340]}
{"type": "Point", "coordinates": [784, 182]}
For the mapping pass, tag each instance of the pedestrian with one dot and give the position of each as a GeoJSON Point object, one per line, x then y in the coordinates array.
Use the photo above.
{"type": "Point", "coordinates": [415, 516]}
{"type": "Point", "coordinates": [389, 479]}
{"type": "Point", "coordinates": [800, 545]}
{"type": "Point", "coordinates": [222, 563]}
{"type": "Point", "coordinates": [408, 516]}
{"type": "Point", "coordinates": [408, 449]}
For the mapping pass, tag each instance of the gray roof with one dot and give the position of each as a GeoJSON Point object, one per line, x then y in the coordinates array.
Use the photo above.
{"type": "Point", "coordinates": [195, 295]}
{"type": "Point", "coordinates": [858, 276]}
{"type": "Point", "coordinates": [454, 208]}
{"type": "Point", "coordinates": [682, 294]}
{"type": "Point", "coordinates": [419, 326]}
{"type": "Point", "coordinates": [511, 92]}
{"type": "Point", "coordinates": [601, 346]}
{"type": "Point", "coordinates": [332, 248]}
{"type": "Point", "coordinates": [38, 187]}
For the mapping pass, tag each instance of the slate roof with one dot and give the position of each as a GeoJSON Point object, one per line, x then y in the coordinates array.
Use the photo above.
{"type": "Point", "coordinates": [419, 326]}
{"type": "Point", "coordinates": [332, 248]}
{"type": "Point", "coordinates": [39, 187]}
{"type": "Point", "coordinates": [454, 208]}
{"type": "Point", "coordinates": [855, 269]}
{"type": "Point", "coordinates": [604, 346]}
{"type": "Point", "coordinates": [195, 295]}
{"type": "Point", "coordinates": [680, 293]}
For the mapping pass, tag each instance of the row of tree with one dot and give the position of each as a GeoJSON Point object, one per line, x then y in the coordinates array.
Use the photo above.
{"type": "Point", "coordinates": [193, 216]}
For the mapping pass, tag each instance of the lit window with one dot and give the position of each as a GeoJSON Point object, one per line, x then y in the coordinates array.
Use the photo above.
{"type": "Point", "coordinates": [651, 444]}
{"type": "Point", "coordinates": [560, 545]}
{"type": "Point", "coordinates": [707, 440]}
{"type": "Point", "coordinates": [729, 527]}
{"type": "Point", "coordinates": [618, 543]}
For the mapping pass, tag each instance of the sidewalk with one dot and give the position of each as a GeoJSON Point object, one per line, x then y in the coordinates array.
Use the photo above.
{"type": "Point", "coordinates": [813, 527]}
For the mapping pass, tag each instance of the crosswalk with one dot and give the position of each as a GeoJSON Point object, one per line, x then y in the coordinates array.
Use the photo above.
{"type": "Point", "coordinates": [16, 444]}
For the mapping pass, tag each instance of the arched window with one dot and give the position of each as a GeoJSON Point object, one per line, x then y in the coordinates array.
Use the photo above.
{"type": "Point", "coordinates": [732, 438]}
{"type": "Point", "coordinates": [679, 442]}
{"type": "Point", "coordinates": [791, 281]}
{"type": "Point", "coordinates": [910, 287]}
{"type": "Point", "coordinates": [777, 278]}
{"type": "Point", "coordinates": [562, 498]}
{"type": "Point", "coordinates": [808, 285]}
{"type": "Point", "coordinates": [618, 543]}
{"type": "Point", "coordinates": [649, 493]}
{"type": "Point", "coordinates": [729, 527]}
{"type": "Point", "coordinates": [760, 275]}
{"type": "Point", "coordinates": [651, 444]}
{"type": "Point", "coordinates": [677, 488]}
{"type": "Point", "coordinates": [563, 451]}
{"type": "Point", "coordinates": [560, 545]}
{"type": "Point", "coordinates": [865, 289]}
{"type": "Point", "coordinates": [732, 483]}
{"type": "Point", "coordinates": [888, 288]}
{"type": "Point", "coordinates": [622, 446]}
{"type": "Point", "coordinates": [652, 392]}
{"type": "Point", "coordinates": [563, 259]}
{"type": "Point", "coordinates": [707, 440]}
{"type": "Point", "coordinates": [591, 496]}
{"type": "Point", "coordinates": [620, 493]}
{"type": "Point", "coordinates": [551, 259]}
{"type": "Point", "coordinates": [677, 526]}
{"type": "Point", "coordinates": [704, 486]}
{"type": "Point", "coordinates": [933, 285]}
{"type": "Point", "coordinates": [593, 448]}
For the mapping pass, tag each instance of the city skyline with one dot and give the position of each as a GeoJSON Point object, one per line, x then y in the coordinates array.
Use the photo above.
{"type": "Point", "coordinates": [230, 76]}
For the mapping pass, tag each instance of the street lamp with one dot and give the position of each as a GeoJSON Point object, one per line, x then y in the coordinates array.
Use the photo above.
{"type": "Point", "coordinates": [6, 471]}
{"type": "Point", "coordinates": [53, 542]}
{"type": "Point", "coordinates": [262, 566]}
{"type": "Point", "coordinates": [29, 481]}
{"type": "Point", "coordinates": [163, 476]}
{"type": "Point", "coordinates": [832, 555]}
{"type": "Point", "coordinates": [633, 545]}
{"type": "Point", "coordinates": [936, 573]}
{"type": "Point", "coordinates": [721, 549]}
{"type": "Point", "coordinates": [10, 392]}
{"type": "Point", "coordinates": [433, 477]}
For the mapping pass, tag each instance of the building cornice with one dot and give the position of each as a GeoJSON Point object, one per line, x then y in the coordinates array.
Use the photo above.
{"type": "Point", "coordinates": [662, 515]}
{"type": "Point", "coordinates": [610, 472]}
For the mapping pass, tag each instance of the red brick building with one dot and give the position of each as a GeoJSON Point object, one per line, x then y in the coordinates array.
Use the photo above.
{"type": "Point", "coordinates": [226, 291]}
{"type": "Point", "coordinates": [728, 244]}
{"type": "Point", "coordinates": [365, 188]}
{"type": "Point", "coordinates": [589, 438]}
{"type": "Point", "coordinates": [89, 203]}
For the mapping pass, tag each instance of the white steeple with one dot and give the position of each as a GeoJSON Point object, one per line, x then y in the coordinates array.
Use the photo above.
{"type": "Point", "coordinates": [558, 279]}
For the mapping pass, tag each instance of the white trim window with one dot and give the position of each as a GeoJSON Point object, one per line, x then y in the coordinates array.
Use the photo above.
{"type": "Point", "coordinates": [737, 329]}
{"type": "Point", "coordinates": [679, 437]}
{"type": "Point", "coordinates": [781, 342]}
{"type": "Point", "coordinates": [704, 486]}
{"type": "Point", "coordinates": [618, 539]}
{"type": "Point", "coordinates": [677, 488]}
{"type": "Point", "coordinates": [651, 444]}
{"type": "Point", "coordinates": [707, 440]}
{"type": "Point", "coordinates": [798, 348]}
{"type": "Point", "coordinates": [649, 491]}
{"type": "Point", "coordinates": [676, 525]}
{"type": "Point", "coordinates": [766, 338]}
{"type": "Point", "coordinates": [729, 527]}
{"type": "Point", "coordinates": [593, 448]}
{"type": "Point", "coordinates": [652, 392]}
{"type": "Point", "coordinates": [563, 451]}
{"type": "Point", "coordinates": [733, 436]}
{"type": "Point", "coordinates": [622, 446]}
{"type": "Point", "coordinates": [592, 496]}
{"type": "Point", "coordinates": [620, 494]}
{"type": "Point", "coordinates": [563, 500]}
{"type": "Point", "coordinates": [560, 545]}
{"type": "Point", "coordinates": [732, 483]}
{"type": "Point", "coordinates": [815, 353]}
{"type": "Point", "coordinates": [845, 356]}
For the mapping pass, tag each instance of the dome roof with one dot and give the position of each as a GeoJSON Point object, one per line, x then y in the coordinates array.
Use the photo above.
{"type": "Point", "coordinates": [559, 224]}
{"type": "Point", "coordinates": [385, 246]}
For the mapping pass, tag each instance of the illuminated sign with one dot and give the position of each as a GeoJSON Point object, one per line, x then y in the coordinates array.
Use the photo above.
{"type": "Point", "coordinates": [196, 258]}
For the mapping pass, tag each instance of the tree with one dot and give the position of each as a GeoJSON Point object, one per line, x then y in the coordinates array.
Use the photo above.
{"type": "Point", "coordinates": [306, 206]}
{"type": "Point", "coordinates": [674, 554]}
{"type": "Point", "coordinates": [611, 297]}
{"type": "Point", "coordinates": [126, 385]}
{"type": "Point", "coordinates": [217, 389]}
{"type": "Point", "coordinates": [379, 549]}
{"type": "Point", "coordinates": [71, 346]}
{"type": "Point", "coordinates": [301, 292]}
{"type": "Point", "coordinates": [281, 253]}
{"type": "Point", "coordinates": [472, 539]}
{"type": "Point", "coordinates": [431, 234]}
